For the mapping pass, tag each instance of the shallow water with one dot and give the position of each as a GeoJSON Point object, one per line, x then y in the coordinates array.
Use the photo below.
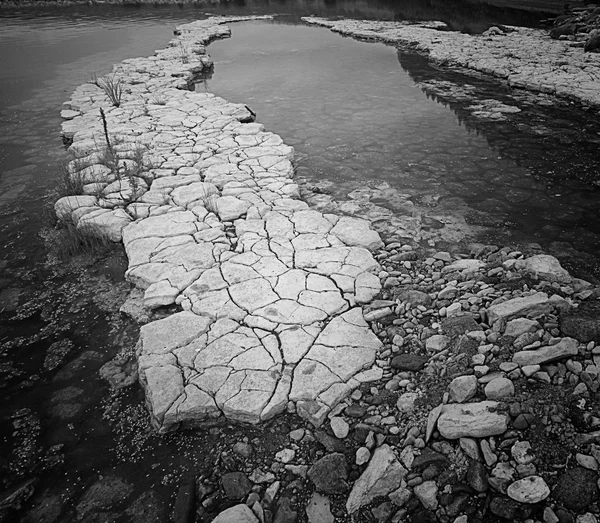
{"type": "Point", "coordinates": [365, 132]}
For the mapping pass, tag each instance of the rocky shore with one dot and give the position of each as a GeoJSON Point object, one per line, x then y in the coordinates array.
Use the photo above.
{"type": "Point", "coordinates": [419, 385]}
{"type": "Point", "coordinates": [525, 58]}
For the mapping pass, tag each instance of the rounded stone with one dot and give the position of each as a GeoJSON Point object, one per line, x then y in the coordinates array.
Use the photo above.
{"type": "Point", "coordinates": [462, 388]}
{"type": "Point", "coordinates": [499, 388]}
{"type": "Point", "coordinates": [576, 488]}
{"type": "Point", "coordinates": [339, 427]}
{"type": "Point", "coordinates": [531, 489]}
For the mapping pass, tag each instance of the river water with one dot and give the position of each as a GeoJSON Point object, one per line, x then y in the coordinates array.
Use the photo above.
{"type": "Point", "coordinates": [377, 131]}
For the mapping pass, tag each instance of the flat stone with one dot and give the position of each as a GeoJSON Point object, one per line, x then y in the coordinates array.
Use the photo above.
{"type": "Point", "coordinates": [474, 420]}
{"type": "Point", "coordinates": [566, 348]}
{"type": "Point", "coordinates": [520, 326]}
{"type": "Point", "coordinates": [537, 303]}
{"type": "Point", "coordinates": [383, 475]}
{"type": "Point", "coordinates": [437, 343]}
{"type": "Point", "coordinates": [545, 267]}
{"type": "Point", "coordinates": [357, 232]}
{"type": "Point", "coordinates": [531, 489]}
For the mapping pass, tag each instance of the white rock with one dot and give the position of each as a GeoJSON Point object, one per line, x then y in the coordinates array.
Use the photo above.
{"type": "Point", "coordinates": [437, 343]}
{"type": "Point", "coordinates": [520, 326]}
{"type": "Point", "coordinates": [363, 455]}
{"type": "Point", "coordinates": [406, 402]}
{"type": "Point", "coordinates": [522, 452]}
{"type": "Point", "coordinates": [475, 420]}
{"type": "Point", "coordinates": [355, 231]}
{"type": "Point", "coordinates": [531, 489]}
{"type": "Point", "coordinates": [339, 427]}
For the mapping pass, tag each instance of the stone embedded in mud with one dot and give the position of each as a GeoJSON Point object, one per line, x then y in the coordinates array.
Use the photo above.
{"type": "Point", "coordinates": [472, 420]}
{"type": "Point", "coordinates": [576, 488]}
{"type": "Point", "coordinates": [329, 474]}
{"type": "Point", "coordinates": [582, 322]}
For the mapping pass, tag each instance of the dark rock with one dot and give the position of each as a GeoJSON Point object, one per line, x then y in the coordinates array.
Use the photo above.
{"type": "Point", "coordinates": [582, 323]}
{"type": "Point", "coordinates": [410, 362]}
{"type": "Point", "coordinates": [576, 488]}
{"type": "Point", "coordinates": [329, 474]}
{"type": "Point", "coordinates": [593, 41]}
{"type": "Point", "coordinates": [429, 457]}
{"type": "Point", "coordinates": [564, 516]}
{"type": "Point", "coordinates": [509, 509]}
{"type": "Point", "coordinates": [467, 345]}
{"type": "Point", "coordinates": [9, 299]}
{"type": "Point", "coordinates": [146, 509]}
{"type": "Point", "coordinates": [523, 421]}
{"type": "Point", "coordinates": [423, 516]}
{"type": "Point", "coordinates": [184, 509]}
{"type": "Point", "coordinates": [331, 443]}
{"type": "Point", "coordinates": [414, 297]}
{"type": "Point", "coordinates": [383, 512]}
{"type": "Point", "coordinates": [403, 256]}
{"type": "Point", "coordinates": [236, 485]}
{"type": "Point", "coordinates": [355, 411]}
{"type": "Point", "coordinates": [284, 513]}
{"type": "Point", "coordinates": [477, 476]}
{"type": "Point", "coordinates": [457, 325]}
{"type": "Point", "coordinates": [13, 498]}
{"type": "Point", "coordinates": [562, 30]}
{"type": "Point", "coordinates": [457, 505]}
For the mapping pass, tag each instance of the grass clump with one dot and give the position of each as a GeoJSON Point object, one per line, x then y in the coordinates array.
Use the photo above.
{"type": "Point", "coordinates": [112, 86]}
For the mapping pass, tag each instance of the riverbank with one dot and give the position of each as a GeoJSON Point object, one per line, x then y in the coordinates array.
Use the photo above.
{"type": "Point", "coordinates": [524, 58]}
{"type": "Point", "coordinates": [276, 299]}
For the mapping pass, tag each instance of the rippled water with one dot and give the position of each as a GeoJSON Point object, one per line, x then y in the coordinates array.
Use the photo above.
{"type": "Point", "coordinates": [369, 130]}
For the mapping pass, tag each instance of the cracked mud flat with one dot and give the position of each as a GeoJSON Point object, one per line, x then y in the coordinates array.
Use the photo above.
{"type": "Point", "coordinates": [270, 290]}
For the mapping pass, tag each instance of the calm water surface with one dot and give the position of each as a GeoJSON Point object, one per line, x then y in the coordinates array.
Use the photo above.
{"type": "Point", "coordinates": [367, 133]}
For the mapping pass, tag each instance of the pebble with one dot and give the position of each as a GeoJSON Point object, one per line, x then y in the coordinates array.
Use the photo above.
{"type": "Point", "coordinates": [339, 427]}
{"type": "Point", "coordinates": [531, 489]}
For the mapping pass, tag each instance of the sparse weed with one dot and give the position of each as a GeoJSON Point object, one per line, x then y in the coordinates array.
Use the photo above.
{"type": "Point", "coordinates": [183, 55]}
{"type": "Point", "coordinates": [209, 200]}
{"type": "Point", "coordinates": [112, 86]}
{"type": "Point", "coordinates": [158, 99]}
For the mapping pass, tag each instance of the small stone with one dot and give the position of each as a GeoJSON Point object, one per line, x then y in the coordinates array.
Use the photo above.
{"type": "Point", "coordinates": [588, 462]}
{"type": "Point", "coordinates": [406, 402]}
{"type": "Point", "coordinates": [499, 388]}
{"type": "Point", "coordinates": [363, 455]}
{"type": "Point", "coordinates": [285, 455]}
{"type": "Point", "coordinates": [470, 448]}
{"type": "Point", "coordinates": [237, 514]}
{"type": "Point", "coordinates": [477, 476]}
{"type": "Point", "coordinates": [522, 452]}
{"type": "Point", "coordinates": [531, 489]}
{"type": "Point", "coordinates": [339, 427]}
{"type": "Point", "coordinates": [476, 420]}
{"type": "Point", "coordinates": [409, 362]}
{"type": "Point", "coordinates": [426, 492]}
{"type": "Point", "coordinates": [437, 343]}
{"type": "Point", "coordinates": [318, 509]}
{"type": "Point", "coordinates": [236, 485]}
{"type": "Point", "coordinates": [462, 388]}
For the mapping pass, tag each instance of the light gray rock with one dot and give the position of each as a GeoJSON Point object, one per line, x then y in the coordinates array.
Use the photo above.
{"type": "Point", "coordinates": [318, 509]}
{"type": "Point", "coordinates": [545, 267]}
{"type": "Point", "coordinates": [464, 266]}
{"type": "Point", "coordinates": [565, 348]}
{"type": "Point", "coordinates": [531, 489]}
{"type": "Point", "coordinates": [537, 303]}
{"type": "Point", "coordinates": [473, 420]}
{"type": "Point", "coordinates": [339, 427]}
{"type": "Point", "coordinates": [238, 514]}
{"type": "Point", "coordinates": [462, 388]}
{"type": "Point", "coordinates": [406, 402]}
{"type": "Point", "coordinates": [520, 326]}
{"type": "Point", "coordinates": [357, 232]}
{"type": "Point", "coordinates": [499, 388]}
{"type": "Point", "coordinates": [383, 475]}
{"type": "Point", "coordinates": [426, 492]}
{"type": "Point", "coordinates": [437, 343]}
